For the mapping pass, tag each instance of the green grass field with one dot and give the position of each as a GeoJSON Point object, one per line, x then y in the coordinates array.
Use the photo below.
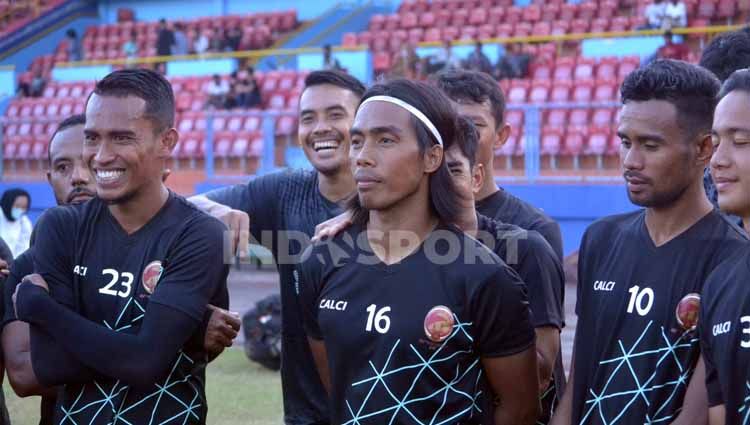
{"type": "Point", "coordinates": [239, 393]}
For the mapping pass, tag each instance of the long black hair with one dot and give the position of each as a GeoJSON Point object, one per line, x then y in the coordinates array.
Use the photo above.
{"type": "Point", "coordinates": [444, 197]}
{"type": "Point", "coordinates": [9, 197]}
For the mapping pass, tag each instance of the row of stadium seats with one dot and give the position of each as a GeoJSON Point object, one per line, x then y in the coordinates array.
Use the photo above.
{"type": "Point", "coordinates": [15, 14]}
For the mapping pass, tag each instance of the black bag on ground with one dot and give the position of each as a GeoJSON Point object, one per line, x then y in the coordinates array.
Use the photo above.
{"type": "Point", "coordinates": [262, 329]}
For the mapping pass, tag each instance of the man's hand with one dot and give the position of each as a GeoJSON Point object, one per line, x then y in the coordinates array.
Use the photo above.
{"type": "Point", "coordinates": [222, 329]}
{"type": "Point", "coordinates": [32, 279]}
{"type": "Point", "coordinates": [4, 269]}
{"type": "Point", "coordinates": [238, 222]}
{"type": "Point", "coordinates": [332, 227]}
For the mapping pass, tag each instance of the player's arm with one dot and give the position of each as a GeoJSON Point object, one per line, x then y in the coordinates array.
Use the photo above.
{"type": "Point", "coordinates": [514, 382]}
{"type": "Point", "coordinates": [547, 347]}
{"type": "Point", "coordinates": [320, 356]}
{"type": "Point", "coordinates": [695, 405]}
{"type": "Point", "coordinates": [333, 226]}
{"type": "Point", "coordinates": [237, 221]}
{"type": "Point", "coordinates": [717, 415]}
{"type": "Point", "coordinates": [564, 411]}
{"type": "Point", "coordinates": [552, 234]}
{"type": "Point", "coordinates": [219, 328]}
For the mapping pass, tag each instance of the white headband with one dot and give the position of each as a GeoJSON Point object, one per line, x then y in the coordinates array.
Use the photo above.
{"type": "Point", "coordinates": [414, 111]}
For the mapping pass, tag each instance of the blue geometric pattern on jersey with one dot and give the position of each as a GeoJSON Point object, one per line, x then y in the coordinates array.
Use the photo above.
{"type": "Point", "coordinates": [666, 357]}
{"type": "Point", "coordinates": [744, 411]}
{"type": "Point", "coordinates": [402, 404]}
{"type": "Point", "coordinates": [109, 395]}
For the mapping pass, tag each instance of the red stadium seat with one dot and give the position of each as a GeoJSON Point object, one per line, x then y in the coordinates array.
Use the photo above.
{"type": "Point", "coordinates": [223, 144]}
{"type": "Point", "coordinates": [485, 31]}
{"type": "Point", "coordinates": [509, 147]}
{"type": "Point", "coordinates": [38, 129]}
{"type": "Point", "coordinates": [605, 93]}
{"type": "Point", "coordinates": [582, 91]}
{"type": "Point", "coordinates": [563, 70]}
{"type": "Point", "coordinates": [627, 65]}
{"type": "Point", "coordinates": [620, 24]}
{"type": "Point", "coordinates": [513, 14]}
{"type": "Point", "coordinates": [542, 28]}
{"type": "Point", "coordinates": [39, 150]}
{"type": "Point", "coordinates": [551, 142]}
{"type": "Point", "coordinates": [409, 21]}
{"type": "Point", "coordinates": [606, 71]}
{"type": "Point", "coordinates": [557, 118]}
{"type": "Point", "coordinates": [514, 119]}
{"type": "Point", "coordinates": [427, 20]}
{"type": "Point", "coordinates": [550, 12]}
{"type": "Point", "coordinates": [381, 62]}
{"type": "Point", "coordinates": [560, 27]}
{"type": "Point", "coordinates": [523, 29]}
{"type": "Point", "coordinates": [568, 12]}
{"type": "Point", "coordinates": [518, 91]}
{"type": "Point", "coordinates": [602, 117]}
{"type": "Point", "coordinates": [349, 39]}
{"type": "Point", "coordinates": [505, 30]}
{"type": "Point", "coordinates": [574, 143]}
{"type": "Point", "coordinates": [579, 118]}
{"type": "Point", "coordinates": [219, 123]}
{"type": "Point", "coordinates": [460, 18]}
{"type": "Point", "coordinates": [607, 9]}
{"type": "Point", "coordinates": [11, 130]}
{"type": "Point", "coordinates": [541, 72]}
{"type": "Point", "coordinates": [377, 22]}
{"type": "Point", "coordinates": [532, 13]}
{"type": "Point", "coordinates": [726, 9]}
{"type": "Point", "coordinates": [587, 10]}
{"type": "Point", "coordinates": [580, 26]}
{"type": "Point", "coordinates": [540, 92]}
{"type": "Point", "coordinates": [286, 126]}
{"type": "Point", "coordinates": [497, 14]}
{"type": "Point", "coordinates": [234, 124]}
{"type": "Point", "coordinates": [251, 123]}
{"type": "Point", "coordinates": [600, 25]}
{"type": "Point", "coordinates": [478, 17]}
{"type": "Point", "coordinates": [584, 70]}
{"type": "Point", "coordinates": [24, 129]}
{"type": "Point", "coordinates": [598, 142]}
{"type": "Point", "coordinates": [706, 9]}
{"type": "Point", "coordinates": [469, 33]}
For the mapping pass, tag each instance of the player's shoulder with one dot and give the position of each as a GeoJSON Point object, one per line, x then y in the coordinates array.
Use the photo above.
{"type": "Point", "coordinates": [193, 219]}
{"type": "Point", "coordinates": [536, 216]}
{"type": "Point", "coordinates": [615, 223]}
{"type": "Point", "coordinates": [729, 279]}
{"type": "Point", "coordinates": [723, 227]}
{"type": "Point", "coordinates": [336, 251]}
{"type": "Point", "coordinates": [72, 215]}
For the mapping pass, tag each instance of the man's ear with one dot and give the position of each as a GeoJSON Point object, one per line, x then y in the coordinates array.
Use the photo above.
{"type": "Point", "coordinates": [704, 149]}
{"type": "Point", "coordinates": [477, 178]}
{"type": "Point", "coordinates": [501, 136]}
{"type": "Point", "coordinates": [433, 157]}
{"type": "Point", "coordinates": [167, 142]}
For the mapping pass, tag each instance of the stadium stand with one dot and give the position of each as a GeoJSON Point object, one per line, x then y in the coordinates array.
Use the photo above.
{"type": "Point", "coordinates": [15, 14]}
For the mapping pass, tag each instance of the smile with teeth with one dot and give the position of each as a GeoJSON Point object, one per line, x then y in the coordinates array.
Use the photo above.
{"type": "Point", "coordinates": [108, 175]}
{"type": "Point", "coordinates": [325, 144]}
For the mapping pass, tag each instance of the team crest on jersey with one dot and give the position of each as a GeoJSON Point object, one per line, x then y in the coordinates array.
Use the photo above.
{"type": "Point", "coordinates": [687, 311]}
{"type": "Point", "coordinates": [438, 324]}
{"type": "Point", "coordinates": [151, 275]}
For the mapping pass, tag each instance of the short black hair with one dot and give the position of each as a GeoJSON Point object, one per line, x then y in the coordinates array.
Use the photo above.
{"type": "Point", "coordinates": [690, 88]}
{"type": "Point", "coordinates": [467, 139]}
{"type": "Point", "coordinates": [476, 87]}
{"type": "Point", "coordinates": [444, 197]}
{"type": "Point", "coordinates": [146, 84]}
{"type": "Point", "coordinates": [727, 53]}
{"type": "Point", "coordinates": [739, 80]}
{"type": "Point", "coordinates": [335, 78]}
{"type": "Point", "coordinates": [71, 121]}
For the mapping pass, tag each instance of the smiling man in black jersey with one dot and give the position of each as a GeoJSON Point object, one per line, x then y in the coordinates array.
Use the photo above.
{"type": "Point", "coordinates": [636, 357]}
{"type": "Point", "coordinates": [405, 332]}
{"type": "Point", "coordinates": [123, 281]}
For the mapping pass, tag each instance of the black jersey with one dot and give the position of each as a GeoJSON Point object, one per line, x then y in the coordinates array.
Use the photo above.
{"type": "Point", "coordinates": [725, 337]}
{"type": "Point", "coordinates": [636, 342]}
{"type": "Point", "coordinates": [404, 341]}
{"type": "Point", "coordinates": [529, 254]}
{"type": "Point", "coordinates": [107, 276]}
{"type": "Point", "coordinates": [506, 208]}
{"type": "Point", "coordinates": [284, 208]}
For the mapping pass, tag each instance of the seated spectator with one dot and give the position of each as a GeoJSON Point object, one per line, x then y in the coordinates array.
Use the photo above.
{"type": "Point", "coordinates": [75, 52]}
{"type": "Point", "coordinates": [216, 42]}
{"type": "Point", "coordinates": [180, 46]}
{"type": "Point", "coordinates": [217, 91]}
{"type": "Point", "coordinates": [130, 49]}
{"type": "Point", "coordinates": [201, 43]}
{"type": "Point", "coordinates": [232, 99]}
{"type": "Point", "coordinates": [675, 15]}
{"type": "Point", "coordinates": [406, 62]}
{"type": "Point", "coordinates": [477, 60]}
{"type": "Point", "coordinates": [329, 62]}
{"type": "Point", "coordinates": [444, 59]}
{"type": "Point", "coordinates": [514, 64]}
{"type": "Point", "coordinates": [654, 15]}
{"type": "Point", "coordinates": [233, 39]}
{"type": "Point", "coordinates": [36, 88]}
{"type": "Point", "coordinates": [254, 99]}
{"type": "Point", "coordinates": [672, 50]}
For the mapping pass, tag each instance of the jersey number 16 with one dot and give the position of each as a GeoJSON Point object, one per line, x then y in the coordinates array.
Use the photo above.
{"type": "Point", "coordinates": [381, 321]}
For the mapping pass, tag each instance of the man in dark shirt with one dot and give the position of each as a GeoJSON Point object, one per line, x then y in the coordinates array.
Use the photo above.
{"type": "Point", "coordinates": [284, 208]}
{"type": "Point", "coordinates": [477, 96]}
{"type": "Point", "coordinates": [636, 356]}
{"type": "Point", "coordinates": [123, 281]}
{"type": "Point", "coordinates": [725, 305]}
{"type": "Point", "coordinates": [412, 332]}
{"type": "Point", "coordinates": [164, 39]}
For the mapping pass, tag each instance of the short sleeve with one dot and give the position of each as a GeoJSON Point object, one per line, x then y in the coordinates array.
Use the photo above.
{"type": "Point", "coordinates": [500, 315]}
{"type": "Point", "coordinates": [258, 198]}
{"type": "Point", "coordinates": [542, 272]}
{"type": "Point", "coordinates": [308, 281]}
{"type": "Point", "coordinates": [713, 385]}
{"type": "Point", "coordinates": [194, 270]}
{"type": "Point", "coordinates": [581, 273]}
{"type": "Point", "coordinates": [54, 241]}
{"type": "Point", "coordinates": [550, 231]}
{"type": "Point", "coordinates": [22, 267]}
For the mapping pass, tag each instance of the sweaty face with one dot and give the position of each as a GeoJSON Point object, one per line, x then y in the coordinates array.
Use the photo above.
{"type": "Point", "coordinates": [481, 115]}
{"type": "Point", "coordinates": [388, 166]}
{"type": "Point", "coordinates": [730, 163]}
{"type": "Point", "coordinates": [69, 176]}
{"type": "Point", "coordinates": [121, 148]}
{"type": "Point", "coordinates": [657, 160]}
{"type": "Point", "coordinates": [326, 115]}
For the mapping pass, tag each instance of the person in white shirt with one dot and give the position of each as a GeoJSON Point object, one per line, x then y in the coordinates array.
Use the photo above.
{"type": "Point", "coordinates": [15, 226]}
{"type": "Point", "coordinates": [201, 43]}
{"type": "Point", "coordinates": [217, 91]}
{"type": "Point", "coordinates": [675, 14]}
{"type": "Point", "coordinates": [655, 15]}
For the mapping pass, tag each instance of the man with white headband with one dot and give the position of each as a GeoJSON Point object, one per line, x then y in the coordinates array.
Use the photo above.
{"type": "Point", "coordinates": [410, 320]}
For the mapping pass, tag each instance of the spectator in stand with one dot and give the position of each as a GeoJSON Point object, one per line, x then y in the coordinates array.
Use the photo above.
{"type": "Point", "coordinates": [329, 62]}
{"type": "Point", "coordinates": [75, 53]}
{"type": "Point", "coordinates": [655, 15]}
{"type": "Point", "coordinates": [201, 43]}
{"type": "Point", "coordinates": [217, 91]}
{"type": "Point", "coordinates": [130, 49]}
{"type": "Point", "coordinates": [241, 88]}
{"type": "Point", "coordinates": [514, 64]}
{"type": "Point", "coordinates": [15, 226]}
{"type": "Point", "coordinates": [37, 85]}
{"type": "Point", "coordinates": [254, 100]}
{"type": "Point", "coordinates": [405, 63]}
{"type": "Point", "coordinates": [233, 39]}
{"type": "Point", "coordinates": [444, 59]}
{"type": "Point", "coordinates": [675, 14]}
{"type": "Point", "coordinates": [180, 46]}
{"type": "Point", "coordinates": [477, 60]}
{"type": "Point", "coordinates": [164, 40]}
{"type": "Point", "coordinates": [216, 41]}
{"type": "Point", "coordinates": [672, 50]}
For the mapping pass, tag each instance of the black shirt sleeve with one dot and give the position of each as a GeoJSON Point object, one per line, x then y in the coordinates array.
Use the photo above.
{"type": "Point", "coordinates": [54, 242]}
{"type": "Point", "coordinates": [194, 270]}
{"type": "Point", "coordinates": [713, 385]}
{"type": "Point", "coordinates": [22, 266]}
{"type": "Point", "coordinates": [551, 233]}
{"type": "Point", "coordinates": [5, 252]}
{"type": "Point", "coordinates": [308, 279]}
{"type": "Point", "coordinates": [543, 274]}
{"type": "Point", "coordinates": [258, 198]}
{"type": "Point", "coordinates": [500, 316]}
{"type": "Point", "coordinates": [582, 258]}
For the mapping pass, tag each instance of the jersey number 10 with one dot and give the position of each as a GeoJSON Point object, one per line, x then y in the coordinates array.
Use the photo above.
{"type": "Point", "coordinates": [642, 300]}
